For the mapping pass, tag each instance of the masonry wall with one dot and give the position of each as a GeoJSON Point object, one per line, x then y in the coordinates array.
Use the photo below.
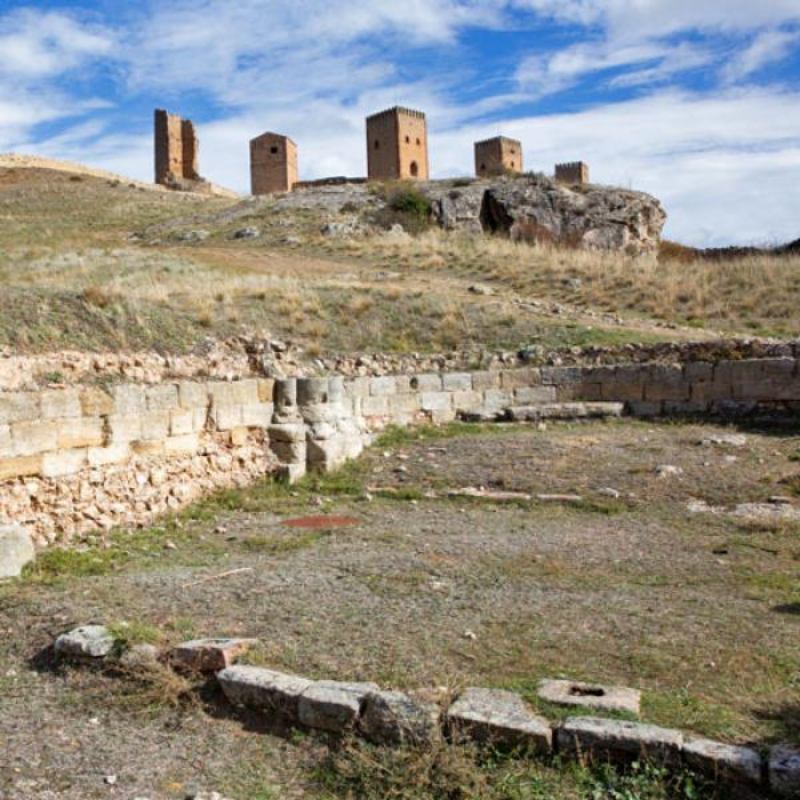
{"type": "Point", "coordinates": [77, 459]}
{"type": "Point", "coordinates": [168, 146]}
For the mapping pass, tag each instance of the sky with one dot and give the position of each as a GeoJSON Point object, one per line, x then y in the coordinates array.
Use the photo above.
{"type": "Point", "coordinates": [694, 101]}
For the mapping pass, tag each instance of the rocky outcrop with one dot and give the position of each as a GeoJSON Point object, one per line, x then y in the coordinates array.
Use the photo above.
{"type": "Point", "coordinates": [538, 210]}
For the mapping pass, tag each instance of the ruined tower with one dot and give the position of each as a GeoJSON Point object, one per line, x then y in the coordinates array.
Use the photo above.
{"type": "Point", "coordinates": [497, 156]}
{"type": "Point", "coordinates": [273, 164]}
{"type": "Point", "coordinates": [575, 172]}
{"type": "Point", "coordinates": [176, 150]}
{"type": "Point", "coordinates": [397, 145]}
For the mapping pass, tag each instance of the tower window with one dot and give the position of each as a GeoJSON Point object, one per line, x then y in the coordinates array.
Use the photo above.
{"type": "Point", "coordinates": [274, 150]}
{"type": "Point", "coordinates": [414, 169]}
{"type": "Point", "coordinates": [419, 142]}
{"type": "Point", "coordinates": [377, 145]}
{"type": "Point", "coordinates": [408, 140]}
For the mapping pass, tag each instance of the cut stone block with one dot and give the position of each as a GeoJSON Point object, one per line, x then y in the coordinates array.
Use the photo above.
{"type": "Point", "coordinates": [588, 695]}
{"type": "Point", "coordinates": [457, 382]}
{"type": "Point", "coordinates": [263, 689]}
{"type": "Point", "coordinates": [784, 771]}
{"type": "Point", "coordinates": [62, 464]}
{"type": "Point", "coordinates": [333, 706]}
{"type": "Point", "coordinates": [210, 655]}
{"type": "Point", "coordinates": [61, 404]}
{"type": "Point", "coordinates": [16, 551]}
{"type": "Point", "coordinates": [95, 402]}
{"type": "Point", "coordinates": [499, 718]}
{"type": "Point", "coordinates": [723, 761]}
{"type": "Point", "coordinates": [395, 718]}
{"type": "Point", "coordinates": [86, 642]}
{"type": "Point", "coordinates": [383, 386]}
{"type": "Point", "coordinates": [618, 740]}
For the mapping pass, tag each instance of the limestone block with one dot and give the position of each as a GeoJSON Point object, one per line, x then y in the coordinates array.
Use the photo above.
{"type": "Point", "coordinates": [528, 395]}
{"type": "Point", "coordinates": [404, 404]}
{"type": "Point", "coordinates": [499, 717]}
{"type": "Point", "coordinates": [286, 394]}
{"type": "Point", "coordinates": [95, 402]}
{"type": "Point", "coordinates": [263, 689]}
{"type": "Point", "coordinates": [64, 463]}
{"type": "Point", "coordinates": [240, 436]}
{"type": "Point", "coordinates": [86, 642]}
{"type": "Point", "coordinates": [645, 409]}
{"type": "Point", "coordinates": [333, 706]}
{"type": "Point", "coordinates": [329, 454]}
{"type": "Point", "coordinates": [155, 426]}
{"type": "Point", "coordinates": [193, 395]}
{"type": "Point", "coordinates": [375, 406]}
{"type": "Point", "coordinates": [558, 376]}
{"type": "Point", "coordinates": [236, 393]}
{"type": "Point", "coordinates": [227, 417]}
{"type": "Point", "coordinates": [19, 407]}
{"type": "Point", "coordinates": [628, 384]}
{"type": "Point", "coordinates": [289, 452]}
{"type": "Point", "coordinates": [312, 391]}
{"type": "Point", "coordinates": [181, 421]}
{"type": "Point", "coordinates": [287, 432]}
{"type": "Point", "coordinates": [394, 718]}
{"type": "Point", "coordinates": [291, 473]}
{"type": "Point", "coordinates": [487, 379]}
{"type": "Point", "coordinates": [437, 401]}
{"type": "Point", "coordinates": [124, 428]}
{"type": "Point", "coordinates": [457, 382]}
{"type": "Point", "coordinates": [322, 412]}
{"type": "Point", "coordinates": [188, 444]}
{"type": "Point", "coordinates": [106, 456]}
{"type": "Point", "coordinates": [784, 771]}
{"type": "Point", "coordinates": [82, 432]}
{"type": "Point", "coordinates": [383, 386]}
{"type": "Point", "coordinates": [24, 467]}
{"type": "Point", "coordinates": [163, 397]}
{"type": "Point", "coordinates": [724, 762]}
{"type": "Point", "coordinates": [266, 390]}
{"type": "Point", "coordinates": [357, 387]}
{"type": "Point", "coordinates": [496, 400]}
{"type": "Point", "coordinates": [467, 401]}
{"type": "Point", "coordinates": [258, 415]}
{"type": "Point", "coordinates": [129, 400]}
{"type": "Point", "coordinates": [61, 404]}
{"type": "Point", "coordinates": [200, 419]}
{"type": "Point", "coordinates": [586, 695]}
{"type": "Point", "coordinates": [336, 389]}
{"type": "Point", "coordinates": [403, 384]}
{"type": "Point", "coordinates": [517, 378]}
{"type": "Point", "coordinates": [144, 448]}
{"type": "Point", "coordinates": [427, 382]}
{"type": "Point", "coordinates": [618, 740]}
{"type": "Point", "coordinates": [210, 655]}
{"type": "Point", "coordinates": [31, 438]}
{"type": "Point", "coordinates": [698, 371]}
{"type": "Point", "coordinates": [665, 382]}
{"type": "Point", "coordinates": [16, 551]}
{"type": "Point", "coordinates": [6, 442]}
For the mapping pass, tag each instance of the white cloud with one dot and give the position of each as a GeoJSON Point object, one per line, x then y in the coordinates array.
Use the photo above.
{"type": "Point", "coordinates": [767, 48]}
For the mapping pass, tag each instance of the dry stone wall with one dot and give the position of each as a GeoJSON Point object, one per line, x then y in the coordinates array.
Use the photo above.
{"type": "Point", "coordinates": [83, 458]}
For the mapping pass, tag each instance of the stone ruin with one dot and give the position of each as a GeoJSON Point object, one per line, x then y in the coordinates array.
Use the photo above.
{"type": "Point", "coordinates": [573, 173]}
{"type": "Point", "coordinates": [177, 152]}
{"type": "Point", "coordinates": [498, 156]}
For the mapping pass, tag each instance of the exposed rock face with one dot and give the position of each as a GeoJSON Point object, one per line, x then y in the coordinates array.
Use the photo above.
{"type": "Point", "coordinates": [536, 209]}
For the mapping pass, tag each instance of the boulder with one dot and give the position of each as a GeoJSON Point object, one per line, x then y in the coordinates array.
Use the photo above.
{"type": "Point", "coordinates": [16, 550]}
{"type": "Point", "coordinates": [85, 643]}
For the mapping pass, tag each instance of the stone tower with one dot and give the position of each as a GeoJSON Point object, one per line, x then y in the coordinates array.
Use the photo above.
{"type": "Point", "coordinates": [498, 156]}
{"type": "Point", "coordinates": [397, 145]}
{"type": "Point", "coordinates": [176, 149]}
{"type": "Point", "coordinates": [575, 172]}
{"type": "Point", "coordinates": [273, 164]}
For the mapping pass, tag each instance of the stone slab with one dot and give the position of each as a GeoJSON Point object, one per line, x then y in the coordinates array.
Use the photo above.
{"type": "Point", "coordinates": [397, 719]}
{"type": "Point", "coordinates": [209, 655]}
{"type": "Point", "coordinates": [333, 706]}
{"type": "Point", "coordinates": [501, 718]}
{"type": "Point", "coordinates": [720, 761]}
{"type": "Point", "coordinates": [589, 695]}
{"type": "Point", "coordinates": [784, 771]}
{"type": "Point", "coordinates": [263, 689]}
{"type": "Point", "coordinates": [86, 642]}
{"type": "Point", "coordinates": [16, 551]}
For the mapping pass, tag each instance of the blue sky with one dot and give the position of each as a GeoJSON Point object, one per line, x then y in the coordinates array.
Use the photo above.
{"type": "Point", "coordinates": [696, 101]}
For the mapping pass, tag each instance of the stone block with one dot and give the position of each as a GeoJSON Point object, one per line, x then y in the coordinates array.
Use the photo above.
{"type": "Point", "coordinates": [210, 655]}
{"type": "Point", "coordinates": [404, 404]}
{"type": "Point", "coordinates": [181, 421]}
{"type": "Point", "coordinates": [499, 718]}
{"type": "Point", "coordinates": [437, 401]}
{"type": "Point", "coordinates": [559, 376]}
{"type": "Point", "coordinates": [618, 740]}
{"type": "Point", "coordinates": [143, 448]}
{"type": "Point", "coordinates": [227, 417]}
{"type": "Point", "coordinates": [784, 771]}
{"type": "Point", "coordinates": [517, 378]}
{"type": "Point", "coordinates": [263, 689]}
{"type": "Point", "coordinates": [336, 389]}
{"type": "Point", "coordinates": [185, 445]}
{"type": "Point", "coordinates": [290, 452]}
{"type": "Point", "coordinates": [286, 395]}
{"type": "Point", "coordinates": [155, 426]}
{"type": "Point", "coordinates": [23, 467]}
{"type": "Point", "coordinates": [123, 429]}
{"type": "Point", "coordinates": [81, 432]}
{"type": "Point", "coordinates": [467, 401]}
{"type": "Point", "coordinates": [258, 415]}
{"type": "Point", "coordinates": [528, 395]}
{"type": "Point", "coordinates": [375, 406]}
{"type": "Point", "coordinates": [266, 390]}
{"type": "Point", "coordinates": [723, 762]}
{"type": "Point", "coordinates": [457, 382]}
{"type": "Point", "coordinates": [495, 400]}
{"type": "Point", "coordinates": [61, 404]}
{"type": "Point", "coordinates": [487, 379]}
{"type": "Point", "coordinates": [333, 706]}
{"type": "Point", "coordinates": [394, 718]}
{"type": "Point", "coordinates": [291, 473]}
{"type": "Point", "coordinates": [402, 384]}
{"type": "Point", "coordinates": [645, 409]}
{"type": "Point", "coordinates": [19, 407]}
{"type": "Point", "coordinates": [163, 397]}
{"type": "Point", "coordinates": [589, 695]}
{"type": "Point", "coordinates": [427, 382]}
{"type": "Point", "coordinates": [288, 432]}
{"type": "Point", "coordinates": [86, 642]}
{"type": "Point", "coordinates": [240, 436]}
{"type": "Point", "coordinates": [702, 371]}
{"type": "Point", "coordinates": [6, 442]}
{"type": "Point", "coordinates": [329, 454]}
{"type": "Point", "coordinates": [235, 393]}
{"type": "Point", "coordinates": [665, 382]}
{"type": "Point", "coordinates": [383, 386]}
{"type": "Point", "coordinates": [129, 400]}
{"type": "Point", "coordinates": [106, 456]}
{"type": "Point", "coordinates": [95, 402]}
{"type": "Point", "coordinates": [16, 551]}
{"type": "Point", "coordinates": [31, 438]}
{"type": "Point", "coordinates": [357, 387]}
{"type": "Point", "coordinates": [64, 463]}
{"type": "Point", "coordinates": [312, 391]}
{"type": "Point", "coordinates": [192, 395]}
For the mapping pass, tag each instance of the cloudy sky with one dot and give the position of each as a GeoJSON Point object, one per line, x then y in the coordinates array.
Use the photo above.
{"type": "Point", "coordinates": [696, 101]}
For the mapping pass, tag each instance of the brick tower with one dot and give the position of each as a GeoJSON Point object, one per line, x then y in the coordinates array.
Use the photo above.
{"type": "Point", "coordinates": [575, 172]}
{"type": "Point", "coordinates": [397, 145]}
{"type": "Point", "coordinates": [176, 149]}
{"type": "Point", "coordinates": [497, 156]}
{"type": "Point", "coordinates": [273, 164]}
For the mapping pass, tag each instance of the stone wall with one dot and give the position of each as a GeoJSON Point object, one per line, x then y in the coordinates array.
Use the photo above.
{"type": "Point", "coordinates": [575, 172]}
{"type": "Point", "coordinates": [77, 459]}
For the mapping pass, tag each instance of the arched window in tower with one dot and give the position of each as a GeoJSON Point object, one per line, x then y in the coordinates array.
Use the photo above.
{"type": "Point", "coordinates": [414, 169]}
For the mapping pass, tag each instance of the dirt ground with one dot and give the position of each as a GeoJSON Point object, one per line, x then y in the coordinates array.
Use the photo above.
{"type": "Point", "coordinates": [627, 585]}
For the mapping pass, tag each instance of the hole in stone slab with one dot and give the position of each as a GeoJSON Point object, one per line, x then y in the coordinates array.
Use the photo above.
{"type": "Point", "coordinates": [415, 383]}
{"type": "Point", "coordinates": [586, 691]}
